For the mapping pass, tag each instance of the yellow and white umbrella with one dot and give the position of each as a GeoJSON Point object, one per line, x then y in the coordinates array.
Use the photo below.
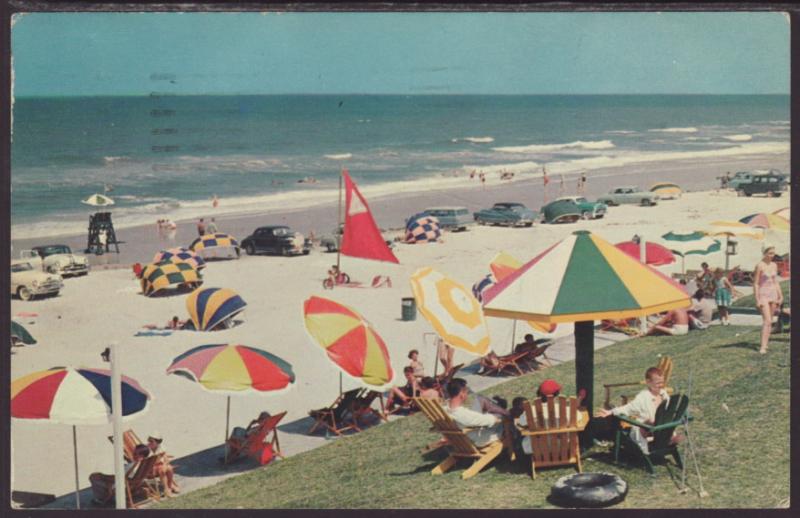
{"type": "Point", "coordinates": [452, 310]}
{"type": "Point", "coordinates": [734, 229]}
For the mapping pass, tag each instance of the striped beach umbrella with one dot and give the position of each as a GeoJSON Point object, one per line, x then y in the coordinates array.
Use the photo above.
{"type": "Point", "coordinates": [785, 213]}
{"type": "Point", "coordinates": [160, 276]}
{"type": "Point", "coordinates": [233, 369]}
{"type": "Point", "coordinates": [731, 229]}
{"type": "Point", "coordinates": [98, 200]}
{"type": "Point", "coordinates": [74, 396]}
{"type": "Point", "coordinates": [655, 254]}
{"type": "Point", "coordinates": [20, 334]}
{"type": "Point", "coordinates": [691, 243]}
{"type": "Point", "coordinates": [209, 307]}
{"type": "Point", "coordinates": [180, 255]}
{"type": "Point", "coordinates": [452, 310]}
{"type": "Point", "coordinates": [422, 228]}
{"type": "Point", "coordinates": [581, 279]}
{"type": "Point", "coordinates": [349, 341]}
{"type": "Point", "coordinates": [766, 221]}
{"type": "Point", "coordinates": [211, 241]}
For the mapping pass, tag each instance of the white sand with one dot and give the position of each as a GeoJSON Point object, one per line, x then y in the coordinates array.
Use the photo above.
{"type": "Point", "coordinates": [73, 328]}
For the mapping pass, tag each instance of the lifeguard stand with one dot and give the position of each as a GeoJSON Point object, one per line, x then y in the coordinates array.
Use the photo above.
{"type": "Point", "coordinates": [98, 222]}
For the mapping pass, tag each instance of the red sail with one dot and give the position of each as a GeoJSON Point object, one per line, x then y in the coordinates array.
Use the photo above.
{"type": "Point", "coordinates": [361, 237]}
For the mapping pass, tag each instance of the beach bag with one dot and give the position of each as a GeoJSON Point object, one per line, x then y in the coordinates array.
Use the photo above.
{"type": "Point", "coordinates": [266, 455]}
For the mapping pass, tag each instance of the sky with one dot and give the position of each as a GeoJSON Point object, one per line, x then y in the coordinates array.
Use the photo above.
{"type": "Point", "coordinates": [73, 54]}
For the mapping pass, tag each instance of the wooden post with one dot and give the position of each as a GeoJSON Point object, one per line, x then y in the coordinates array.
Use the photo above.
{"type": "Point", "coordinates": [116, 413]}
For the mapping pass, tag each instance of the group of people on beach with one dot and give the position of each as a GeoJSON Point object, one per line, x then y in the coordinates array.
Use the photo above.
{"type": "Point", "coordinates": [204, 228]}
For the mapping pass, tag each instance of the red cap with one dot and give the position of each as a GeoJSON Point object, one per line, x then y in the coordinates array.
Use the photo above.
{"type": "Point", "coordinates": [549, 387]}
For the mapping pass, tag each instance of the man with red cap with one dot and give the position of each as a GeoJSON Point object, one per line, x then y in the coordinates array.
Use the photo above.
{"type": "Point", "coordinates": [548, 388]}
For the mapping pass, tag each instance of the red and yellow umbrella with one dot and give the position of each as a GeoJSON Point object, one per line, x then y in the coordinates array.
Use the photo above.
{"type": "Point", "coordinates": [349, 341]}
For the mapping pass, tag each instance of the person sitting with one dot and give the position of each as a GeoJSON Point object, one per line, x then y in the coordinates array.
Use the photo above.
{"type": "Point", "coordinates": [429, 389]}
{"type": "Point", "coordinates": [484, 427]}
{"type": "Point", "coordinates": [175, 323]}
{"type": "Point", "coordinates": [702, 308]}
{"type": "Point", "coordinates": [528, 345]}
{"type": "Point", "coordinates": [675, 322]}
{"type": "Point", "coordinates": [162, 469]}
{"type": "Point", "coordinates": [103, 485]}
{"type": "Point", "coordinates": [403, 394]}
{"type": "Point", "coordinates": [419, 369]}
{"type": "Point", "coordinates": [240, 434]}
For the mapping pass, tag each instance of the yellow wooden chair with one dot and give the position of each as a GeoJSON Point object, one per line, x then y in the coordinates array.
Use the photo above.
{"type": "Point", "coordinates": [553, 433]}
{"type": "Point", "coordinates": [664, 364]}
{"type": "Point", "coordinates": [461, 446]}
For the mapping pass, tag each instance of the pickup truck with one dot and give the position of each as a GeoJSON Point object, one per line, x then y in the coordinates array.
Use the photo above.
{"type": "Point", "coordinates": [276, 239]}
{"type": "Point", "coordinates": [57, 259]}
{"type": "Point", "coordinates": [629, 194]}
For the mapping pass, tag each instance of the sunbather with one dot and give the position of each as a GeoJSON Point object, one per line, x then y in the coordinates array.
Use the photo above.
{"type": "Point", "coordinates": [403, 394]}
{"type": "Point", "coordinates": [528, 345]}
{"type": "Point", "coordinates": [419, 369]}
{"type": "Point", "coordinates": [675, 322]}
{"type": "Point", "coordinates": [239, 434]}
{"type": "Point", "coordinates": [103, 485]}
{"type": "Point", "coordinates": [163, 469]}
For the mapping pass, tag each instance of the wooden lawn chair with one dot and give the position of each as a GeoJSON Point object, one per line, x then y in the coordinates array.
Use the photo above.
{"type": "Point", "coordinates": [363, 406]}
{"type": "Point", "coordinates": [461, 446]}
{"type": "Point", "coordinates": [254, 442]}
{"type": "Point", "coordinates": [669, 415]}
{"type": "Point", "coordinates": [664, 364]}
{"type": "Point", "coordinates": [508, 361]}
{"type": "Point", "coordinates": [142, 485]}
{"type": "Point", "coordinates": [334, 416]}
{"type": "Point", "coordinates": [554, 438]}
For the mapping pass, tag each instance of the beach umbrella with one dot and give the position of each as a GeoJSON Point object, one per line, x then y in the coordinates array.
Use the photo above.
{"type": "Point", "coordinates": [21, 334]}
{"type": "Point", "coordinates": [349, 341]}
{"type": "Point", "coordinates": [180, 255]}
{"type": "Point", "coordinates": [159, 276]}
{"type": "Point", "coordinates": [452, 310]}
{"type": "Point", "coordinates": [233, 369]}
{"type": "Point", "coordinates": [481, 285]}
{"type": "Point", "coordinates": [211, 241]}
{"type": "Point", "coordinates": [655, 254]}
{"type": "Point", "coordinates": [785, 213]}
{"type": "Point", "coordinates": [74, 396]}
{"type": "Point", "coordinates": [503, 265]}
{"type": "Point", "coordinates": [692, 243]}
{"type": "Point", "coordinates": [766, 221]}
{"type": "Point", "coordinates": [731, 229]}
{"type": "Point", "coordinates": [581, 279]}
{"type": "Point", "coordinates": [667, 190]}
{"type": "Point", "coordinates": [98, 200]}
{"type": "Point", "coordinates": [422, 228]}
{"type": "Point", "coordinates": [209, 307]}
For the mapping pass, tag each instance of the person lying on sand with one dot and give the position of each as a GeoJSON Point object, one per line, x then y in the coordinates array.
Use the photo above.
{"type": "Point", "coordinates": [174, 324]}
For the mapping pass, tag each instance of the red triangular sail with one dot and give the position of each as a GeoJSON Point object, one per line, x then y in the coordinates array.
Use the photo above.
{"type": "Point", "coordinates": [361, 237]}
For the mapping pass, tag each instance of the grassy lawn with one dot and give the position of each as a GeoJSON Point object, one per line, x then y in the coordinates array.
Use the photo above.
{"type": "Point", "coordinates": [750, 300]}
{"type": "Point", "coordinates": [739, 400]}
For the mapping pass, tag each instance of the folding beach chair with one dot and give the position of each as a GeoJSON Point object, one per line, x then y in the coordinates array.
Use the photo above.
{"type": "Point", "coordinates": [499, 364]}
{"type": "Point", "coordinates": [340, 411]}
{"type": "Point", "coordinates": [362, 406]}
{"type": "Point", "coordinates": [254, 441]}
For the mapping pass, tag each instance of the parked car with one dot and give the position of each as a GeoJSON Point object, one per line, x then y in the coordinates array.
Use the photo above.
{"type": "Point", "coordinates": [332, 241]}
{"type": "Point", "coordinates": [452, 218]}
{"type": "Point", "coordinates": [56, 259]}
{"type": "Point", "coordinates": [28, 282]}
{"type": "Point", "coordinates": [742, 177]}
{"type": "Point", "coordinates": [771, 184]}
{"type": "Point", "coordinates": [589, 209]}
{"type": "Point", "coordinates": [629, 194]}
{"type": "Point", "coordinates": [505, 213]}
{"type": "Point", "coordinates": [561, 211]}
{"type": "Point", "coordinates": [278, 239]}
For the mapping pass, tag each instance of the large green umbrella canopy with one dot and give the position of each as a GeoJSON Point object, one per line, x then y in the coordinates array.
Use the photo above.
{"type": "Point", "coordinates": [581, 279]}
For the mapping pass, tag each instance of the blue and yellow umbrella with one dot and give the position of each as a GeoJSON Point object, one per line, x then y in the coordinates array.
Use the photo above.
{"type": "Point", "coordinates": [209, 241]}
{"type": "Point", "coordinates": [180, 255]}
{"type": "Point", "coordinates": [210, 306]}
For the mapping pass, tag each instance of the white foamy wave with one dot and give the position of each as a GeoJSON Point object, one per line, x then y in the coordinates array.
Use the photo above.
{"type": "Point", "coordinates": [620, 132]}
{"type": "Point", "coordinates": [343, 156]}
{"type": "Point", "coordinates": [475, 140]}
{"type": "Point", "coordinates": [546, 148]}
{"type": "Point", "coordinates": [696, 139]}
{"type": "Point", "coordinates": [739, 138]}
{"type": "Point", "coordinates": [676, 130]}
{"type": "Point", "coordinates": [112, 159]}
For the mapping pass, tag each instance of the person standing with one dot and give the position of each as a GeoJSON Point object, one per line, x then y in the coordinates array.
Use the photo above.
{"type": "Point", "coordinates": [561, 185]}
{"type": "Point", "coordinates": [722, 293]}
{"type": "Point", "coordinates": [201, 227]}
{"type": "Point", "coordinates": [545, 181]}
{"type": "Point", "coordinates": [768, 293]}
{"type": "Point", "coordinates": [214, 201]}
{"type": "Point", "coordinates": [211, 228]}
{"type": "Point", "coordinates": [582, 184]}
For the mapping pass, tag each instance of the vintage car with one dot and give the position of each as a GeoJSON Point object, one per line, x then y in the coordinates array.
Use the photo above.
{"type": "Point", "coordinates": [28, 281]}
{"type": "Point", "coordinates": [667, 190]}
{"type": "Point", "coordinates": [589, 209]}
{"type": "Point", "coordinates": [561, 211]}
{"type": "Point", "coordinates": [512, 214]}
{"type": "Point", "coordinates": [332, 241]}
{"type": "Point", "coordinates": [742, 177]}
{"type": "Point", "coordinates": [771, 183]}
{"type": "Point", "coordinates": [277, 239]}
{"type": "Point", "coordinates": [451, 218]}
{"type": "Point", "coordinates": [56, 259]}
{"type": "Point", "coordinates": [629, 194]}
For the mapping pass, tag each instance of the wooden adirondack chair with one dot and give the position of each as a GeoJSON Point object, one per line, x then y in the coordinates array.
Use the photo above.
{"type": "Point", "coordinates": [664, 364]}
{"type": "Point", "coordinates": [253, 442]}
{"type": "Point", "coordinates": [554, 438]}
{"type": "Point", "coordinates": [340, 411]}
{"type": "Point", "coordinates": [669, 415]}
{"type": "Point", "coordinates": [142, 485]}
{"type": "Point", "coordinates": [498, 364]}
{"type": "Point", "coordinates": [461, 446]}
{"type": "Point", "coordinates": [363, 406]}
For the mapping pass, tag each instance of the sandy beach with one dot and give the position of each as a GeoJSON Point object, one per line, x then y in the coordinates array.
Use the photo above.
{"type": "Point", "coordinates": [72, 331]}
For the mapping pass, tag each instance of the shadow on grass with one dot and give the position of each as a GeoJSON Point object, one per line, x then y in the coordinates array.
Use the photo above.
{"type": "Point", "coordinates": [739, 345]}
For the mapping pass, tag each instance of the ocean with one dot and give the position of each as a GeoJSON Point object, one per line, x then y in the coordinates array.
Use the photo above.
{"type": "Point", "coordinates": [166, 156]}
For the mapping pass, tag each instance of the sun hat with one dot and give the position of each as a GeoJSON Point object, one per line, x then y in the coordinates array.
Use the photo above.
{"type": "Point", "coordinates": [549, 387]}
{"type": "Point", "coordinates": [156, 436]}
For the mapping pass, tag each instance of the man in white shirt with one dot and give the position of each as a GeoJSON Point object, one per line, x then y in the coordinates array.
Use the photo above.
{"type": "Point", "coordinates": [486, 427]}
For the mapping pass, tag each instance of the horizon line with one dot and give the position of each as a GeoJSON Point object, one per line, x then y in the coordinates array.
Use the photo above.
{"type": "Point", "coordinates": [169, 94]}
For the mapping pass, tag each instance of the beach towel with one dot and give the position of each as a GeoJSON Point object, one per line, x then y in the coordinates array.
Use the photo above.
{"type": "Point", "coordinates": [154, 332]}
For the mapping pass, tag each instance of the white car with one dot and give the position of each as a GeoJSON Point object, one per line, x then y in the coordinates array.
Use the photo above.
{"type": "Point", "coordinates": [28, 281]}
{"type": "Point", "coordinates": [57, 259]}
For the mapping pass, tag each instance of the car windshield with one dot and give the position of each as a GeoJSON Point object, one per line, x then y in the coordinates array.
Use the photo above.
{"type": "Point", "coordinates": [56, 249]}
{"type": "Point", "coordinates": [282, 231]}
{"type": "Point", "coordinates": [462, 211]}
{"type": "Point", "coordinates": [581, 200]}
{"type": "Point", "coordinates": [21, 267]}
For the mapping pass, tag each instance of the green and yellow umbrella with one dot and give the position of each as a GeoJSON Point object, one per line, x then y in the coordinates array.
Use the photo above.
{"type": "Point", "coordinates": [349, 341]}
{"type": "Point", "coordinates": [159, 276]}
{"type": "Point", "coordinates": [581, 279]}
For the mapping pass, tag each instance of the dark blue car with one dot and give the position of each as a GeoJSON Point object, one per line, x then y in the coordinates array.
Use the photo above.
{"type": "Point", "coordinates": [511, 214]}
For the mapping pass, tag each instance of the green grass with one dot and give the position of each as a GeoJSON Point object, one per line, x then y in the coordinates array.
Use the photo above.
{"type": "Point", "coordinates": [742, 451]}
{"type": "Point", "coordinates": [750, 300]}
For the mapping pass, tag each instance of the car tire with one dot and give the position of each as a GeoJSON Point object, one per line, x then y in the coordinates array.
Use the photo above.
{"type": "Point", "coordinates": [748, 194]}
{"type": "Point", "coordinates": [777, 194]}
{"type": "Point", "coordinates": [530, 224]}
{"type": "Point", "coordinates": [585, 215]}
{"type": "Point", "coordinates": [646, 203]}
{"type": "Point", "coordinates": [330, 247]}
{"type": "Point", "coordinates": [52, 269]}
{"type": "Point", "coordinates": [250, 249]}
{"type": "Point", "coordinates": [306, 252]}
{"type": "Point", "coordinates": [24, 293]}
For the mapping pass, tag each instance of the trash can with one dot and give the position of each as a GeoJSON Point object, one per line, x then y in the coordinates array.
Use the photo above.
{"type": "Point", "coordinates": [409, 309]}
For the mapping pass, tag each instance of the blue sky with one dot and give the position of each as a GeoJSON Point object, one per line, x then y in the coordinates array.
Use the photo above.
{"type": "Point", "coordinates": [400, 53]}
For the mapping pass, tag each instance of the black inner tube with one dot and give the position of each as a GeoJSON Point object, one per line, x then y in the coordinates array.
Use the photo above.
{"type": "Point", "coordinates": [589, 490]}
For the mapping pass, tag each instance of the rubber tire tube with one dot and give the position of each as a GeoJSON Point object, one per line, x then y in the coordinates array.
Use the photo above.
{"type": "Point", "coordinates": [589, 490]}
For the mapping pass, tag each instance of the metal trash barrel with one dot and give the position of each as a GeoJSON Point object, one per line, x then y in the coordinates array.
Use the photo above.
{"type": "Point", "coordinates": [409, 306]}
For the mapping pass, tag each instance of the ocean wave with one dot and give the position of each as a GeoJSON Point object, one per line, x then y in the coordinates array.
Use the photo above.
{"type": "Point", "coordinates": [690, 129]}
{"type": "Point", "coordinates": [112, 159]}
{"type": "Point", "coordinates": [739, 138]}
{"type": "Point", "coordinates": [696, 139]}
{"type": "Point", "coordinates": [474, 140]}
{"type": "Point", "coordinates": [546, 148]}
{"type": "Point", "coordinates": [343, 156]}
{"type": "Point", "coordinates": [621, 132]}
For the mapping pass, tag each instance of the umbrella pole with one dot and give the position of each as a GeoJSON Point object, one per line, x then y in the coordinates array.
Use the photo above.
{"type": "Point", "coordinates": [340, 383]}
{"type": "Point", "coordinates": [727, 256]}
{"type": "Point", "coordinates": [338, 226]}
{"type": "Point", "coordinates": [513, 335]}
{"type": "Point", "coordinates": [584, 369]}
{"type": "Point", "coordinates": [227, 424]}
{"type": "Point", "coordinates": [77, 481]}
